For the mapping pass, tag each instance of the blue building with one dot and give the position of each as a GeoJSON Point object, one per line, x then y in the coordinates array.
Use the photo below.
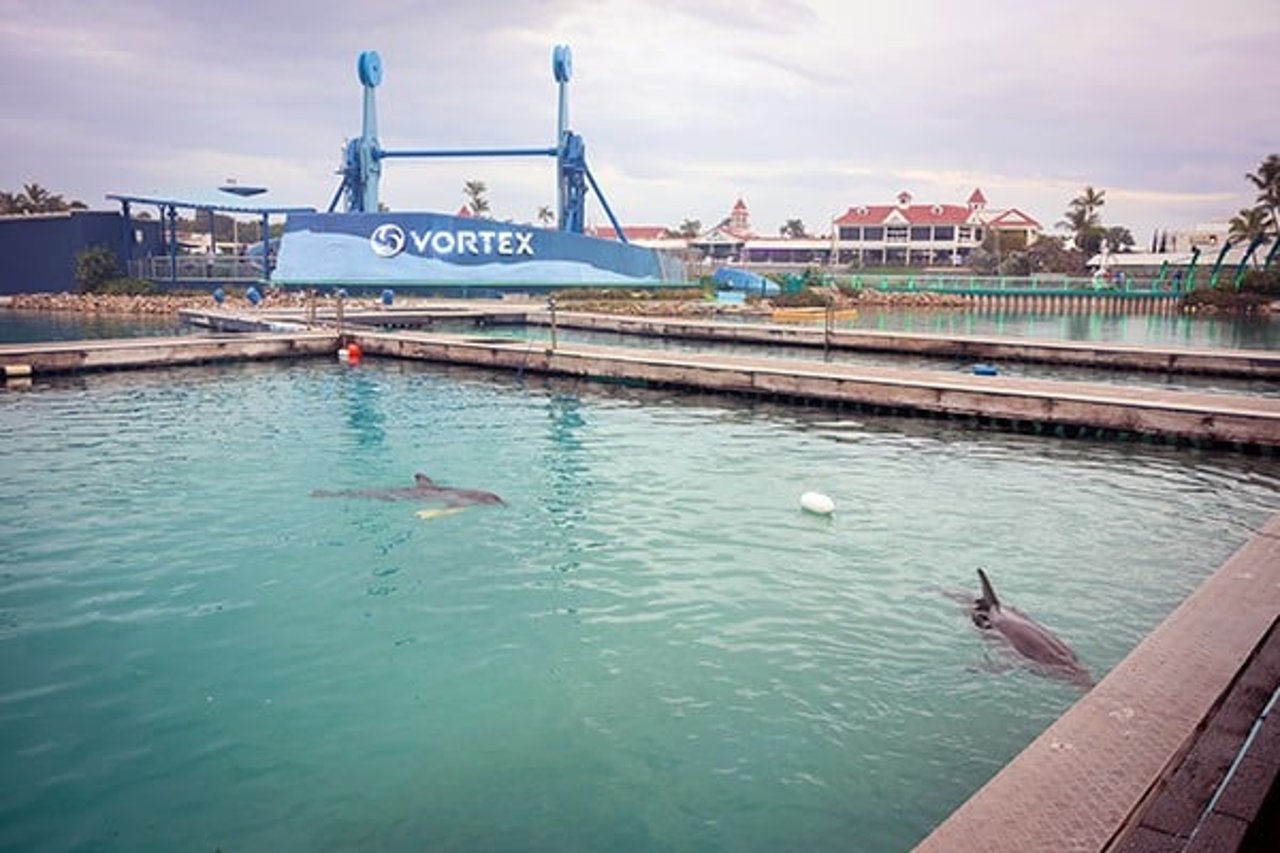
{"type": "Point", "coordinates": [39, 250]}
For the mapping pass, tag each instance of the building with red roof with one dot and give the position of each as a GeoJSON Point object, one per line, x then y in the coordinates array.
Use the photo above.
{"type": "Point", "coordinates": [902, 234]}
{"type": "Point", "coordinates": [908, 234]}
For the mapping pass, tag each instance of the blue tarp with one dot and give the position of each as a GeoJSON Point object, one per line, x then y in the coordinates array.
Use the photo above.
{"type": "Point", "coordinates": [729, 278]}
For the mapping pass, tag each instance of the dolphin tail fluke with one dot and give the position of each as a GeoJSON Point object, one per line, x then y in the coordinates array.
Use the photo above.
{"type": "Point", "coordinates": [989, 599]}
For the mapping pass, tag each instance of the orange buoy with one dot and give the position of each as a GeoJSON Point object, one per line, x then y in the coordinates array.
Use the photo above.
{"type": "Point", "coordinates": [353, 352]}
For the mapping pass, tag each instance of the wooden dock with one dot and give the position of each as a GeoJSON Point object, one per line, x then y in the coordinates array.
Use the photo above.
{"type": "Point", "coordinates": [1238, 364]}
{"type": "Point", "coordinates": [23, 361]}
{"type": "Point", "coordinates": [1032, 405]}
{"type": "Point", "coordinates": [1241, 364]}
{"type": "Point", "coordinates": [1003, 402]}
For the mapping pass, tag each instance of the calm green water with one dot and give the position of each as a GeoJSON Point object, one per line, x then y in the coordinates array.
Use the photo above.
{"type": "Point", "coordinates": [650, 648]}
{"type": "Point", "coordinates": [20, 327]}
{"type": "Point", "coordinates": [1151, 329]}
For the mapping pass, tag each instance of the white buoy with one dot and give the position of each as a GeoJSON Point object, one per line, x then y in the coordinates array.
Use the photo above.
{"type": "Point", "coordinates": [817, 503]}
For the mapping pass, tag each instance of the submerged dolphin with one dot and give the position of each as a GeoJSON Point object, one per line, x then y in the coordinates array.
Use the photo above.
{"type": "Point", "coordinates": [423, 489]}
{"type": "Point", "coordinates": [1027, 637]}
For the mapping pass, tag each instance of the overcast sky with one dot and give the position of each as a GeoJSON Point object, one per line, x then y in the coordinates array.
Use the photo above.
{"type": "Point", "coordinates": [803, 108]}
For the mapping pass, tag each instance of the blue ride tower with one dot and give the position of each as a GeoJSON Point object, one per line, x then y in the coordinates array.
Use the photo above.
{"type": "Point", "coordinates": [362, 157]}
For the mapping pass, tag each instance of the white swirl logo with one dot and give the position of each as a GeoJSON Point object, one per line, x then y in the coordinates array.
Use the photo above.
{"type": "Point", "coordinates": [387, 240]}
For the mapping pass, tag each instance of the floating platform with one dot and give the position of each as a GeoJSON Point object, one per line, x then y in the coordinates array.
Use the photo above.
{"type": "Point", "coordinates": [1242, 364]}
{"type": "Point", "coordinates": [1011, 403]}
{"type": "Point", "coordinates": [1003, 402]}
{"type": "Point", "coordinates": [25, 361]}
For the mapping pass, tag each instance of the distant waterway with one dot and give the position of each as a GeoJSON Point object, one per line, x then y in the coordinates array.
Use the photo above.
{"type": "Point", "coordinates": [1163, 330]}
{"type": "Point", "coordinates": [1214, 332]}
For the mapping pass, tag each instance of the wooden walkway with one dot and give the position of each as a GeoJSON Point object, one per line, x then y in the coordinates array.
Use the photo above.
{"type": "Point", "coordinates": [1240, 364]}
{"type": "Point", "coordinates": [23, 361]}
{"type": "Point", "coordinates": [1003, 402]}
{"type": "Point", "coordinates": [1244, 364]}
{"type": "Point", "coordinates": [1033, 405]}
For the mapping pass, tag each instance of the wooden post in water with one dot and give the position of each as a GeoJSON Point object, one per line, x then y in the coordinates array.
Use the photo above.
{"type": "Point", "coordinates": [342, 295]}
{"type": "Point", "coordinates": [311, 308]}
{"type": "Point", "coordinates": [551, 304]}
{"type": "Point", "coordinates": [828, 319]}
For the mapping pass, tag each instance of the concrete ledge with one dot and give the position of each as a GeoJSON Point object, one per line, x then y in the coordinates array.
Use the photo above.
{"type": "Point", "coordinates": [1079, 785]}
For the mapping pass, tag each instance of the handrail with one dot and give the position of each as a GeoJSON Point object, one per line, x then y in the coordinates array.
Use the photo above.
{"type": "Point", "coordinates": [206, 267]}
{"type": "Point", "coordinates": [1021, 285]}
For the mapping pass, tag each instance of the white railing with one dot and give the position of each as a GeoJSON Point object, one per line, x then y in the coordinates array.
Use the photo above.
{"type": "Point", "coordinates": [214, 267]}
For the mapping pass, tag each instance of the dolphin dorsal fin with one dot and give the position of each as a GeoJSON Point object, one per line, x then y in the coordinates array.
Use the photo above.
{"type": "Point", "coordinates": [422, 480]}
{"type": "Point", "coordinates": [989, 599]}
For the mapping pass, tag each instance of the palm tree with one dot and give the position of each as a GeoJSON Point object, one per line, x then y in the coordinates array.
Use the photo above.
{"type": "Point", "coordinates": [37, 198]}
{"type": "Point", "coordinates": [690, 228]}
{"type": "Point", "coordinates": [793, 228]}
{"type": "Point", "coordinates": [1267, 180]}
{"type": "Point", "coordinates": [1249, 224]}
{"type": "Point", "coordinates": [1082, 219]}
{"type": "Point", "coordinates": [1091, 199]}
{"type": "Point", "coordinates": [479, 205]}
{"type": "Point", "coordinates": [546, 215]}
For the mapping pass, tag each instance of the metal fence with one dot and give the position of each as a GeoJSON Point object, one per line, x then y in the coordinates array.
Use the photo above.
{"type": "Point", "coordinates": [980, 284]}
{"type": "Point", "coordinates": [199, 267]}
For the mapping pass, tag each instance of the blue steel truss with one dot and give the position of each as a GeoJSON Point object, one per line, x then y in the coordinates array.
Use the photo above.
{"type": "Point", "coordinates": [362, 157]}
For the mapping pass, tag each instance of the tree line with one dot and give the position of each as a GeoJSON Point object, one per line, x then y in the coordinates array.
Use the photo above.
{"type": "Point", "coordinates": [33, 198]}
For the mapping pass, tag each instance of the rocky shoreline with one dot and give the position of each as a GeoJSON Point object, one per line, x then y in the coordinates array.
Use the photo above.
{"type": "Point", "coordinates": [639, 305]}
{"type": "Point", "coordinates": [156, 304]}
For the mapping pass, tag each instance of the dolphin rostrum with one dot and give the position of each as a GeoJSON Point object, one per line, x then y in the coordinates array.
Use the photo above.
{"type": "Point", "coordinates": [1027, 637]}
{"type": "Point", "coordinates": [423, 489]}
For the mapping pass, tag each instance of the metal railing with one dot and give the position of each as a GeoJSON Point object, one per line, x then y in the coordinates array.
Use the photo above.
{"type": "Point", "coordinates": [979, 284]}
{"type": "Point", "coordinates": [202, 267]}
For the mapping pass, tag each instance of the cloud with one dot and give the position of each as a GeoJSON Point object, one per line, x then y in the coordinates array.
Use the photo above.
{"type": "Point", "coordinates": [803, 108]}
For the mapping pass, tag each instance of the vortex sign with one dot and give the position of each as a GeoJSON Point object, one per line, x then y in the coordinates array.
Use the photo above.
{"type": "Point", "coordinates": [387, 240]}
{"type": "Point", "coordinates": [390, 239]}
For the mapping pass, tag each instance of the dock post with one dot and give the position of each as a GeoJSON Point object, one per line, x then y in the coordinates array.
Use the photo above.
{"type": "Point", "coordinates": [828, 319]}
{"type": "Point", "coordinates": [341, 304]}
{"type": "Point", "coordinates": [551, 304]}
{"type": "Point", "coordinates": [311, 308]}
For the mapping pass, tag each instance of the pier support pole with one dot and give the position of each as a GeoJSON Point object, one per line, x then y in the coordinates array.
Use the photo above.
{"type": "Point", "coordinates": [551, 305]}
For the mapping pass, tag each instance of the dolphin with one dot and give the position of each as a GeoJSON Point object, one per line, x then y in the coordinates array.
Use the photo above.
{"type": "Point", "coordinates": [1027, 637]}
{"type": "Point", "coordinates": [423, 489]}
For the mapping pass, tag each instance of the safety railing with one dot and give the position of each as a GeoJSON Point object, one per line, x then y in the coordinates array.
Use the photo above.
{"type": "Point", "coordinates": [977, 284]}
{"type": "Point", "coordinates": [210, 267]}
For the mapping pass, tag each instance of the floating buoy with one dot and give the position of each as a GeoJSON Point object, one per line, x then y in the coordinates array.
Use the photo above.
{"type": "Point", "coordinates": [343, 354]}
{"type": "Point", "coordinates": [985, 370]}
{"type": "Point", "coordinates": [353, 353]}
{"type": "Point", "coordinates": [388, 296]}
{"type": "Point", "coordinates": [219, 295]}
{"type": "Point", "coordinates": [253, 295]}
{"type": "Point", "coordinates": [817, 503]}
